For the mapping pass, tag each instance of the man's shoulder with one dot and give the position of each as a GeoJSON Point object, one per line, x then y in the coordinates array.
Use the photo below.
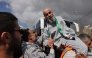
{"type": "Point", "coordinates": [59, 18]}
{"type": "Point", "coordinates": [33, 47]}
{"type": "Point", "coordinates": [41, 18]}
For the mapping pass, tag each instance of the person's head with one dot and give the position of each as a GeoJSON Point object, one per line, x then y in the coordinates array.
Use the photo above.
{"type": "Point", "coordinates": [48, 14]}
{"type": "Point", "coordinates": [86, 39]}
{"type": "Point", "coordinates": [29, 36]}
{"type": "Point", "coordinates": [10, 37]}
{"type": "Point", "coordinates": [32, 36]}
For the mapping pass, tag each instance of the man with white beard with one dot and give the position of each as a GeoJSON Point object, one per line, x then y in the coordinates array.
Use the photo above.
{"type": "Point", "coordinates": [57, 29]}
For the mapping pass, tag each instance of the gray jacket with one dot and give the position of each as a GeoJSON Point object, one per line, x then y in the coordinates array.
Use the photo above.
{"type": "Point", "coordinates": [31, 50]}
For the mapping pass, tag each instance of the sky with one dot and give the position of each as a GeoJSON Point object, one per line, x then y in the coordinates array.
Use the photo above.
{"type": "Point", "coordinates": [28, 11]}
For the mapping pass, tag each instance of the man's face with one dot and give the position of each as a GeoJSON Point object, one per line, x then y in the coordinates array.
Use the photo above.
{"type": "Point", "coordinates": [16, 38]}
{"type": "Point", "coordinates": [48, 14]}
{"type": "Point", "coordinates": [32, 35]}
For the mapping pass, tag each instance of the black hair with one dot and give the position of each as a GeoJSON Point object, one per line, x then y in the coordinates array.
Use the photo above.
{"type": "Point", "coordinates": [25, 35]}
{"type": "Point", "coordinates": [84, 36]}
{"type": "Point", "coordinates": [7, 21]}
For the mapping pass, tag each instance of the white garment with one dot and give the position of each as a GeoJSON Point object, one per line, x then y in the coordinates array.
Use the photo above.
{"type": "Point", "coordinates": [70, 54]}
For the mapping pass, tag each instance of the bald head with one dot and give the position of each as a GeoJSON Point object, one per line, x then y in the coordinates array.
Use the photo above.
{"type": "Point", "coordinates": [48, 14]}
{"type": "Point", "coordinates": [45, 10]}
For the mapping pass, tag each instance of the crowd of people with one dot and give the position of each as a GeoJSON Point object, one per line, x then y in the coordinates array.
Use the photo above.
{"type": "Point", "coordinates": [56, 41]}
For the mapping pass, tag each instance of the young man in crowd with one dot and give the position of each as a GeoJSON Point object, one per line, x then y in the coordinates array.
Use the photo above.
{"type": "Point", "coordinates": [87, 40]}
{"type": "Point", "coordinates": [10, 37]}
{"type": "Point", "coordinates": [31, 50]}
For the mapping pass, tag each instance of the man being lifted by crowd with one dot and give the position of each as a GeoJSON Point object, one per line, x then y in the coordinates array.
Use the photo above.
{"type": "Point", "coordinates": [57, 29]}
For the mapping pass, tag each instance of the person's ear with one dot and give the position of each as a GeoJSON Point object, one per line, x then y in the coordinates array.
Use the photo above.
{"type": "Point", "coordinates": [5, 37]}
